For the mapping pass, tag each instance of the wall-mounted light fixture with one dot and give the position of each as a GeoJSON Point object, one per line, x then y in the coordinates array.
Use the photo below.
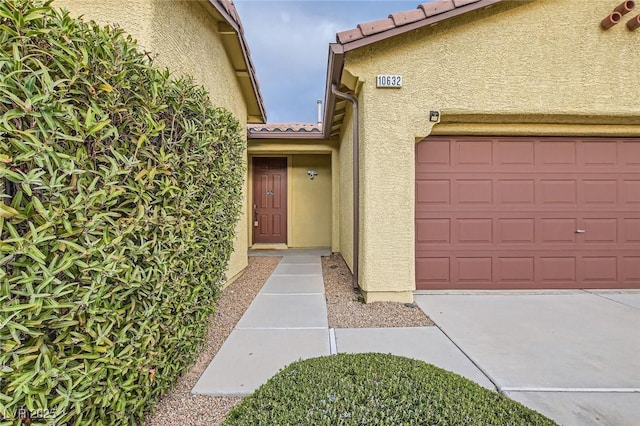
{"type": "Point", "coordinates": [312, 173]}
{"type": "Point", "coordinates": [434, 116]}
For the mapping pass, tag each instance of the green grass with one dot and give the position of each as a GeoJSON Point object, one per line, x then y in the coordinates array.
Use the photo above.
{"type": "Point", "coordinates": [376, 389]}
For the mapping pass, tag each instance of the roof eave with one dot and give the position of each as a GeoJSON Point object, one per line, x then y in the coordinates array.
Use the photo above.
{"type": "Point", "coordinates": [374, 38]}
{"type": "Point", "coordinates": [338, 50]}
{"type": "Point", "coordinates": [334, 75]}
{"type": "Point", "coordinates": [285, 135]}
{"type": "Point", "coordinates": [256, 113]}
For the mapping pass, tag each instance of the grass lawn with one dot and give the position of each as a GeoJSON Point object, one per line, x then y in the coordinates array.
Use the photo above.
{"type": "Point", "coordinates": [376, 389]}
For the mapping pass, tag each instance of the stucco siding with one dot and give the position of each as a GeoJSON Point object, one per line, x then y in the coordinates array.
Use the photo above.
{"type": "Point", "coordinates": [137, 19]}
{"type": "Point", "coordinates": [541, 57]}
{"type": "Point", "coordinates": [183, 37]}
{"type": "Point", "coordinates": [514, 64]}
{"type": "Point", "coordinates": [186, 38]}
{"type": "Point", "coordinates": [311, 201]}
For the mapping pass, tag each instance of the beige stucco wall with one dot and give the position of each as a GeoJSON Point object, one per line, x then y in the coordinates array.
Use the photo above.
{"type": "Point", "coordinates": [493, 71]}
{"type": "Point", "coordinates": [183, 37]}
{"type": "Point", "coordinates": [310, 201]}
{"type": "Point", "coordinates": [312, 204]}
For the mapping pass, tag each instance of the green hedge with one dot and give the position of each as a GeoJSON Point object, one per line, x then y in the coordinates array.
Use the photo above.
{"type": "Point", "coordinates": [120, 192]}
{"type": "Point", "coordinates": [376, 389]}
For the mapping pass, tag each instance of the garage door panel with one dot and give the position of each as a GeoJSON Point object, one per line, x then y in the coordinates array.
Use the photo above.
{"type": "Point", "coordinates": [434, 271]}
{"type": "Point", "coordinates": [557, 230]}
{"type": "Point", "coordinates": [516, 192]}
{"type": "Point", "coordinates": [475, 231]}
{"type": "Point", "coordinates": [630, 270]}
{"type": "Point", "coordinates": [515, 270]}
{"type": "Point", "coordinates": [598, 153]}
{"type": "Point", "coordinates": [600, 270]}
{"type": "Point", "coordinates": [630, 231]}
{"type": "Point", "coordinates": [435, 153]}
{"type": "Point", "coordinates": [557, 153]}
{"type": "Point", "coordinates": [630, 154]}
{"type": "Point", "coordinates": [515, 231]}
{"type": "Point", "coordinates": [433, 231]}
{"type": "Point", "coordinates": [473, 191]}
{"type": "Point", "coordinates": [528, 213]}
{"type": "Point", "coordinates": [473, 153]}
{"type": "Point", "coordinates": [599, 192]}
{"type": "Point", "coordinates": [473, 270]}
{"type": "Point", "coordinates": [434, 192]}
{"type": "Point", "coordinates": [600, 230]}
{"type": "Point", "coordinates": [557, 192]}
{"type": "Point", "coordinates": [631, 193]}
{"type": "Point", "coordinates": [557, 269]}
{"type": "Point", "coordinates": [515, 153]}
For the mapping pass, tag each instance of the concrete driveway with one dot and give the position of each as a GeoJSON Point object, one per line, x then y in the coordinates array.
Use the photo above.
{"type": "Point", "coordinates": [571, 355]}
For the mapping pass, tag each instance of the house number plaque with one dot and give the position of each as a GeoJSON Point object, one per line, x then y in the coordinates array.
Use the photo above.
{"type": "Point", "coordinates": [394, 81]}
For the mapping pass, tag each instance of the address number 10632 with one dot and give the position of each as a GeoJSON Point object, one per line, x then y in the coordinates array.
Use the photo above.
{"type": "Point", "coordinates": [389, 81]}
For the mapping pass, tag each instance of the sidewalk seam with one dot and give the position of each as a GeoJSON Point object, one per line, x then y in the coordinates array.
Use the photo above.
{"type": "Point", "coordinates": [473, 361]}
{"type": "Point", "coordinates": [603, 296]}
{"type": "Point", "coordinates": [333, 345]}
{"type": "Point", "coordinates": [570, 390]}
{"type": "Point", "coordinates": [281, 328]}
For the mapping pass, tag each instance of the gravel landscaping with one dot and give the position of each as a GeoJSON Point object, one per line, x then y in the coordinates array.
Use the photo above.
{"type": "Point", "coordinates": [346, 307]}
{"type": "Point", "coordinates": [179, 406]}
{"type": "Point", "coordinates": [345, 310]}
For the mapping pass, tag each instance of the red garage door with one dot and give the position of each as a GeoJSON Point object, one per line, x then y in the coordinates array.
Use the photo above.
{"type": "Point", "coordinates": [525, 213]}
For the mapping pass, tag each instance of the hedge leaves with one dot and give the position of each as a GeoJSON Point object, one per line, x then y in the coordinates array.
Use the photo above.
{"type": "Point", "coordinates": [120, 191]}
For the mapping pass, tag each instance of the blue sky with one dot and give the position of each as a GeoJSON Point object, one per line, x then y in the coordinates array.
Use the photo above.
{"type": "Point", "coordinates": [289, 42]}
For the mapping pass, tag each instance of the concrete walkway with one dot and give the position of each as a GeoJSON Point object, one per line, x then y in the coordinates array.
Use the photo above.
{"type": "Point", "coordinates": [573, 356]}
{"type": "Point", "coordinates": [287, 321]}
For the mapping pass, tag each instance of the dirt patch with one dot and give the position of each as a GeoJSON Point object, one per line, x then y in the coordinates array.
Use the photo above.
{"type": "Point", "coordinates": [346, 307]}
{"type": "Point", "coordinates": [179, 406]}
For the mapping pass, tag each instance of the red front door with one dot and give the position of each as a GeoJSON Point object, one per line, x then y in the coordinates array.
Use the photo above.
{"type": "Point", "coordinates": [269, 200]}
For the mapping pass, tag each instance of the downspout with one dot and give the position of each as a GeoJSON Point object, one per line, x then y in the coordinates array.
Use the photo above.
{"type": "Point", "coordinates": [356, 180]}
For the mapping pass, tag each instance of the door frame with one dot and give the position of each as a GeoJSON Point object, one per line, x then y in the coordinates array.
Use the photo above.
{"type": "Point", "coordinates": [251, 195]}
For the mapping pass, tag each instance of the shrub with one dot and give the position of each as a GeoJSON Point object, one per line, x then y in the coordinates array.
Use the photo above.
{"type": "Point", "coordinates": [376, 389]}
{"type": "Point", "coordinates": [120, 191]}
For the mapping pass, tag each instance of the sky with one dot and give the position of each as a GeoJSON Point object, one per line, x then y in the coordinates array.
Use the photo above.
{"type": "Point", "coordinates": [289, 43]}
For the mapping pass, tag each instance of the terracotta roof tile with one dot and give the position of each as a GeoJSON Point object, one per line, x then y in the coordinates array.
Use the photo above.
{"type": "Point", "coordinates": [285, 128]}
{"type": "Point", "coordinates": [407, 17]}
{"type": "Point", "coordinates": [460, 3]}
{"type": "Point", "coordinates": [376, 27]}
{"type": "Point", "coordinates": [437, 7]}
{"type": "Point", "coordinates": [399, 19]}
{"type": "Point", "coordinates": [231, 9]}
{"type": "Point", "coordinates": [349, 35]}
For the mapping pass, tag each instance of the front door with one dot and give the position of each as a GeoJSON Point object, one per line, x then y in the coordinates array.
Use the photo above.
{"type": "Point", "coordinates": [269, 200]}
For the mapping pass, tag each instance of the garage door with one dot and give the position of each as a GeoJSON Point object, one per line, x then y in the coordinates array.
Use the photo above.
{"type": "Point", "coordinates": [527, 213]}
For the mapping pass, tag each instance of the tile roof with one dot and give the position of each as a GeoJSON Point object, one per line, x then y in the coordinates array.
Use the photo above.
{"type": "Point", "coordinates": [275, 129]}
{"type": "Point", "coordinates": [396, 20]}
{"type": "Point", "coordinates": [231, 10]}
{"type": "Point", "coordinates": [366, 33]}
